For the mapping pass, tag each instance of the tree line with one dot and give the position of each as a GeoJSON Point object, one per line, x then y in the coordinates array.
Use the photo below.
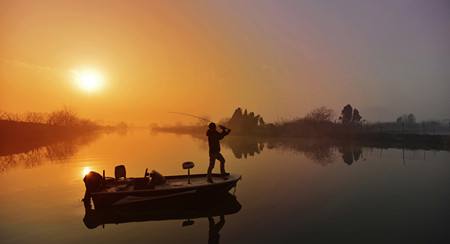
{"type": "Point", "coordinates": [324, 121]}
{"type": "Point", "coordinates": [63, 117]}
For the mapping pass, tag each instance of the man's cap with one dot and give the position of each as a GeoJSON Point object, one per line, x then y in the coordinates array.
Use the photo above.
{"type": "Point", "coordinates": [212, 125]}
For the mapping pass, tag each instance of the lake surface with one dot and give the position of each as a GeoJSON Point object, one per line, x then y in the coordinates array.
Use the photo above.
{"type": "Point", "coordinates": [291, 191]}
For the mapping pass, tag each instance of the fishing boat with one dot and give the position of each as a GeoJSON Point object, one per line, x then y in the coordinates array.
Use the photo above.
{"type": "Point", "coordinates": [153, 187]}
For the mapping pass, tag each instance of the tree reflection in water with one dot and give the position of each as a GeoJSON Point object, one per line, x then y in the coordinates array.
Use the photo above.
{"type": "Point", "coordinates": [242, 147]}
{"type": "Point", "coordinates": [320, 151]}
{"type": "Point", "coordinates": [55, 152]}
{"type": "Point", "coordinates": [350, 153]}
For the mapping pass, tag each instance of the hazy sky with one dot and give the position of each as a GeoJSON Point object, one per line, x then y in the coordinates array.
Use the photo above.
{"type": "Point", "coordinates": [278, 58]}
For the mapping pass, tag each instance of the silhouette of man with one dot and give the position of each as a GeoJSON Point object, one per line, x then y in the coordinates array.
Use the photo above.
{"type": "Point", "coordinates": [214, 138]}
{"type": "Point", "coordinates": [214, 229]}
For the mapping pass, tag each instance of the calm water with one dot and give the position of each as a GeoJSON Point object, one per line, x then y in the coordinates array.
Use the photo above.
{"type": "Point", "coordinates": [291, 191]}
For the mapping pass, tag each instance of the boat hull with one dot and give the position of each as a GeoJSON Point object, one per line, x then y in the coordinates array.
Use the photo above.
{"type": "Point", "coordinates": [167, 194]}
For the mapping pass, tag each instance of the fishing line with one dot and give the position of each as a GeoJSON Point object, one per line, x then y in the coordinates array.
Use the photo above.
{"type": "Point", "coordinates": [194, 116]}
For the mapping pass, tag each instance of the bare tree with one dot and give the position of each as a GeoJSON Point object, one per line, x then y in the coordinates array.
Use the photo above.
{"type": "Point", "coordinates": [63, 117]}
{"type": "Point", "coordinates": [34, 117]}
{"type": "Point", "coordinates": [321, 114]}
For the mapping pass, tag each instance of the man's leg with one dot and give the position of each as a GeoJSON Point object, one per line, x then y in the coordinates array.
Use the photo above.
{"type": "Point", "coordinates": [222, 164]}
{"type": "Point", "coordinates": [212, 160]}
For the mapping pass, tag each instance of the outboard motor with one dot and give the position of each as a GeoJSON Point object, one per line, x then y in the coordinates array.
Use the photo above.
{"type": "Point", "coordinates": [93, 182]}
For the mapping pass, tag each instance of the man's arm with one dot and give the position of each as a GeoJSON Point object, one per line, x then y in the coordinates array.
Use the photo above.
{"type": "Point", "coordinates": [225, 131]}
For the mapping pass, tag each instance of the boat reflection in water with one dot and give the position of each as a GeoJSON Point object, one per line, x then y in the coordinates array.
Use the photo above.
{"type": "Point", "coordinates": [192, 207]}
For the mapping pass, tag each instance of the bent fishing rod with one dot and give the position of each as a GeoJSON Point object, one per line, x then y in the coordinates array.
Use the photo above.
{"type": "Point", "coordinates": [197, 117]}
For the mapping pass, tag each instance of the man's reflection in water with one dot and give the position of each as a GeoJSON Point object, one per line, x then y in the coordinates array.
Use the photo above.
{"type": "Point", "coordinates": [214, 229]}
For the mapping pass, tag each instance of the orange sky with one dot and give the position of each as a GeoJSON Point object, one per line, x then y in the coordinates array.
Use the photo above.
{"type": "Point", "coordinates": [204, 58]}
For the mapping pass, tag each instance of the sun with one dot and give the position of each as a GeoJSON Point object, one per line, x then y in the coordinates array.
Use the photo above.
{"type": "Point", "coordinates": [89, 80]}
{"type": "Point", "coordinates": [85, 171]}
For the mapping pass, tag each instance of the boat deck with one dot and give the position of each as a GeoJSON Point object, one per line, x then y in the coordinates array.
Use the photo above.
{"type": "Point", "coordinates": [172, 182]}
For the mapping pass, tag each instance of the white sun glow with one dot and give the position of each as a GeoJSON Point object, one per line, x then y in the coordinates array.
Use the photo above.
{"type": "Point", "coordinates": [89, 80]}
{"type": "Point", "coordinates": [85, 171]}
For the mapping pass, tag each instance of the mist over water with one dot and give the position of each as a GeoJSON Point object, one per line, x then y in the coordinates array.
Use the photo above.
{"type": "Point", "coordinates": [291, 191]}
{"type": "Point", "coordinates": [334, 117]}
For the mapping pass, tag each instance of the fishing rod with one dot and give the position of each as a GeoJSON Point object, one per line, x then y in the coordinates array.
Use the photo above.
{"type": "Point", "coordinates": [192, 115]}
{"type": "Point", "coordinates": [197, 117]}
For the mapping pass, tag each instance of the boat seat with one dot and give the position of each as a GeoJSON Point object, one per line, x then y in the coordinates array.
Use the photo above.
{"type": "Point", "coordinates": [120, 172]}
{"type": "Point", "coordinates": [188, 165]}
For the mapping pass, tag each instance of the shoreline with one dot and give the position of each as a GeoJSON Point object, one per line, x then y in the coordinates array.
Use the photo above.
{"type": "Point", "coordinates": [412, 141]}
